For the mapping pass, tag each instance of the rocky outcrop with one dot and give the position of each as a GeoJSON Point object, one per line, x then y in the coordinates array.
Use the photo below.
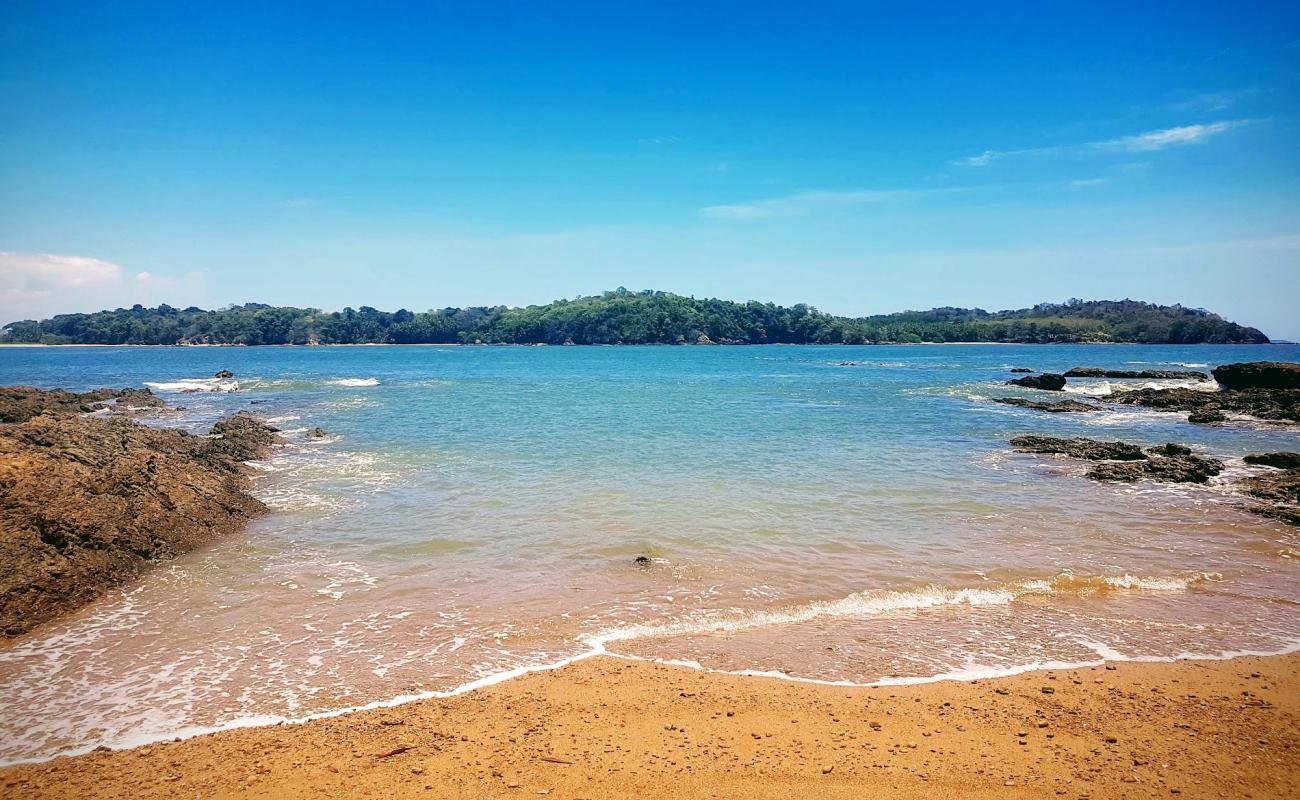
{"type": "Point", "coordinates": [1058, 407]}
{"type": "Point", "coordinates": [1025, 370]}
{"type": "Point", "coordinates": [1089, 449]}
{"type": "Point", "coordinates": [224, 373]}
{"type": "Point", "coordinates": [1279, 460]}
{"type": "Point", "coordinates": [1050, 381]}
{"type": "Point", "coordinates": [1149, 374]}
{"type": "Point", "coordinates": [1278, 486]}
{"type": "Point", "coordinates": [1207, 417]}
{"type": "Point", "coordinates": [21, 403]}
{"type": "Point", "coordinates": [1180, 468]}
{"type": "Point", "coordinates": [1271, 404]}
{"type": "Point", "coordinates": [88, 502]}
{"type": "Point", "coordinates": [1258, 375]}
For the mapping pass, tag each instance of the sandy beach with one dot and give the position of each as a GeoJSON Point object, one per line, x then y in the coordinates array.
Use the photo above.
{"type": "Point", "coordinates": [613, 728]}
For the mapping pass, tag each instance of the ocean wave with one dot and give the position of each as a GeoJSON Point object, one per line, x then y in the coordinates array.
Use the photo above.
{"type": "Point", "coordinates": [195, 385]}
{"type": "Point", "coordinates": [1104, 388]}
{"type": "Point", "coordinates": [354, 382]}
{"type": "Point", "coordinates": [866, 604]}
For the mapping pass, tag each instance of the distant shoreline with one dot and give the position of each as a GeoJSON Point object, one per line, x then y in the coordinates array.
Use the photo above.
{"type": "Point", "coordinates": [655, 344]}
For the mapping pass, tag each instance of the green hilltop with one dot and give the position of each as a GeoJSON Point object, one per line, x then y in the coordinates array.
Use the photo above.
{"type": "Point", "coordinates": [625, 317]}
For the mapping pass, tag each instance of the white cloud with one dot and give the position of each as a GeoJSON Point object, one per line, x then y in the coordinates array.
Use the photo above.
{"type": "Point", "coordinates": [1137, 143]}
{"type": "Point", "coordinates": [801, 203]}
{"type": "Point", "coordinates": [36, 285]}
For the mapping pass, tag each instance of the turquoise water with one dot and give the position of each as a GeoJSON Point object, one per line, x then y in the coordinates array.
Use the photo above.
{"type": "Point", "coordinates": [476, 511]}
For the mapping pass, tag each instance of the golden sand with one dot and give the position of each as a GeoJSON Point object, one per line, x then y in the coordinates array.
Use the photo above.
{"type": "Point", "coordinates": [610, 728]}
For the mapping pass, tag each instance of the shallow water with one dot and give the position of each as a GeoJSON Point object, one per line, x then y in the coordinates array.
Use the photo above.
{"type": "Point", "coordinates": [477, 511]}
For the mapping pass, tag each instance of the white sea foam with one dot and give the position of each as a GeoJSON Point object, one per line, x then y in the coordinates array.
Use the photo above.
{"type": "Point", "coordinates": [1103, 388]}
{"type": "Point", "coordinates": [354, 382]}
{"type": "Point", "coordinates": [195, 385]}
{"type": "Point", "coordinates": [858, 604]}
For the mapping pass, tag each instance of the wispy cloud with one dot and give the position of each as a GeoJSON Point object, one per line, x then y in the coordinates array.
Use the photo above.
{"type": "Point", "coordinates": [1137, 143]}
{"type": "Point", "coordinates": [801, 203]}
{"type": "Point", "coordinates": [1215, 101]}
{"type": "Point", "coordinates": [656, 141]}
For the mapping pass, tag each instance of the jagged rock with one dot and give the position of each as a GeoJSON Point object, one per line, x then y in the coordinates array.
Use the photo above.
{"type": "Point", "coordinates": [1050, 381]}
{"type": "Point", "coordinates": [1207, 417]}
{"type": "Point", "coordinates": [1170, 449]}
{"type": "Point", "coordinates": [1274, 404]}
{"type": "Point", "coordinates": [1150, 374]}
{"type": "Point", "coordinates": [1279, 486]}
{"type": "Point", "coordinates": [1056, 407]}
{"type": "Point", "coordinates": [1090, 449]}
{"type": "Point", "coordinates": [316, 433]}
{"type": "Point", "coordinates": [1025, 370]}
{"type": "Point", "coordinates": [641, 560]}
{"type": "Point", "coordinates": [88, 502]}
{"type": "Point", "coordinates": [1166, 469]}
{"type": "Point", "coordinates": [1279, 460]}
{"type": "Point", "coordinates": [1258, 375]}
{"type": "Point", "coordinates": [225, 373]}
{"type": "Point", "coordinates": [21, 403]}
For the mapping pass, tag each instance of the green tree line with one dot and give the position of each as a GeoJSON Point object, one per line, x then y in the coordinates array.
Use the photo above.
{"type": "Point", "coordinates": [625, 317]}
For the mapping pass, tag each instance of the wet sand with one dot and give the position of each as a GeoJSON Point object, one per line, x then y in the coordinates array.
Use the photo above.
{"type": "Point", "coordinates": [612, 728]}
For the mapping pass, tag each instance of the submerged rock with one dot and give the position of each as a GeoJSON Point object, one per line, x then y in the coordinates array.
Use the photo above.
{"type": "Point", "coordinates": [317, 433]}
{"type": "Point", "coordinates": [1183, 468]}
{"type": "Point", "coordinates": [1258, 375]}
{"type": "Point", "coordinates": [1279, 460]}
{"type": "Point", "coordinates": [88, 502]}
{"type": "Point", "coordinates": [1170, 449]}
{"type": "Point", "coordinates": [1150, 374]}
{"type": "Point", "coordinates": [1050, 381]}
{"type": "Point", "coordinates": [1056, 407]}
{"type": "Point", "coordinates": [1207, 417]}
{"type": "Point", "coordinates": [225, 373]}
{"type": "Point", "coordinates": [1279, 486]}
{"type": "Point", "coordinates": [1023, 369]}
{"type": "Point", "coordinates": [1089, 449]}
{"type": "Point", "coordinates": [641, 560]}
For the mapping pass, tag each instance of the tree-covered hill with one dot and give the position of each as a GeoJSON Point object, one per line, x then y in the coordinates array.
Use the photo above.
{"type": "Point", "coordinates": [624, 317]}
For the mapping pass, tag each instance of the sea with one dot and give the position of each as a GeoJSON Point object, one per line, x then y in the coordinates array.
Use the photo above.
{"type": "Point", "coordinates": [847, 515]}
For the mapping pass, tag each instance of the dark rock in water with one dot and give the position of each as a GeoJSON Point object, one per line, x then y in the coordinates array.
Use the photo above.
{"type": "Point", "coordinates": [1258, 375]}
{"type": "Point", "coordinates": [256, 402]}
{"type": "Point", "coordinates": [1170, 449]}
{"type": "Point", "coordinates": [1090, 449]}
{"type": "Point", "coordinates": [1057, 407]}
{"type": "Point", "coordinates": [1150, 374]}
{"type": "Point", "coordinates": [1279, 486]}
{"type": "Point", "coordinates": [225, 373]}
{"type": "Point", "coordinates": [243, 437]}
{"type": "Point", "coordinates": [1166, 469]}
{"type": "Point", "coordinates": [641, 560]}
{"type": "Point", "coordinates": [21, 403]}
{"type": "Point", "coordinates": [1025, 370]}
{"type": "Point", "coordinates": [851, 364]}
{"type": "Point", "coordinates": [316, 433]}
{"type": "Point", "coordinates": [1048, 380]}
{"type": "Point", "coordinates": [1287, 514]}
{"type": "Point", "coordinates": [88, 502]}
{"type": "Point", "coordinates": [1279, 460]}
{"type": "Point", "coordinates": [1207, 417]}
{"type": "Point", "coordinates": [1273, 404]}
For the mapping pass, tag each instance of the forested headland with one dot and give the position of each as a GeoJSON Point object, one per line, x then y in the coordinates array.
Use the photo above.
{"type": "Point", "coordinates": [626, 317]}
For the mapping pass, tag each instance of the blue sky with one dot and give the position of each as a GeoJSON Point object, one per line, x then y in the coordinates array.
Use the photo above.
{"type": "Point", "coordinates": [862, 157]}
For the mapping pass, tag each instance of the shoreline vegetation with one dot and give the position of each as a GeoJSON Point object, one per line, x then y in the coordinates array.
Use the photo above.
{"type": "Point", "coordinates": [612, 728]}
{"type": "Point", "coordinates": [625, 317]}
